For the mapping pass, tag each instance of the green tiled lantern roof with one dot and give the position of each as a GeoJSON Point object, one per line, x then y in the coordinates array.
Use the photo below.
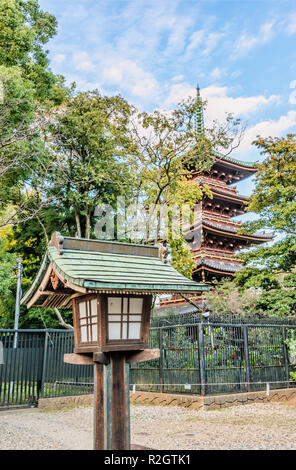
{"type": "Point", "coordinates": [96, 265]}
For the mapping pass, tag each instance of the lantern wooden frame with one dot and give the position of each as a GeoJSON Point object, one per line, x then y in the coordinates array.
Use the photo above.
{"type": "Point", "coordinates": [102, 342]}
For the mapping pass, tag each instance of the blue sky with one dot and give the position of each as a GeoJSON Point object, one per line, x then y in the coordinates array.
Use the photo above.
{"type": "Point", "coordinates": [241, 52]}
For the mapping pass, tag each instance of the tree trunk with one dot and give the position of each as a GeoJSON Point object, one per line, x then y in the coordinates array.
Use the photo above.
{"type": "Point", "coordinates": [77, 219]}
{"type": "Point", "coordinates": [87, 225]}
{"type": "Point", "coordinates": [62, 321]}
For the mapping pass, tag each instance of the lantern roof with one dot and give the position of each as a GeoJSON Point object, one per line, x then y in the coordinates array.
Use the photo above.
{"type": "Point", "coordinates": [74, 266]}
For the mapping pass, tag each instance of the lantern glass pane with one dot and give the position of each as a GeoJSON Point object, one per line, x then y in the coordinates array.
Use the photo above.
{"type": "Point", "coordinates": [135, 317]}
{"type": "Point", "coordinates": [83, 334]}
{"type": "Point", "coordinates": [114, 305]}
{"type": "Point", "coordinates": [114, 318]}
{"type": "Point", "coordinates": [94, 307]}
{"type": "Point", "coordinates": [124, 306]}
{"type": "Point", "coordinates": [124, 331]}
{"type": "Point", "coordinates": [95, 332]}
{"type": "Point", "coordinates": [114, 331]}
{"type": "Point", "coordinates": [82, 309]}
{"type": "Point", "coordinates": [136, 305]}
{"type": "Point", "coordinates": [134, 330]}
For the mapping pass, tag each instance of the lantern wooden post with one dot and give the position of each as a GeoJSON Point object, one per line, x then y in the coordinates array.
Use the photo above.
{"type": "Point", "coordinates": [100, 437]}
{"type": "Point", "coordinates": [111, 405]}
{"type": "Point", "coordinates": [111, 394]}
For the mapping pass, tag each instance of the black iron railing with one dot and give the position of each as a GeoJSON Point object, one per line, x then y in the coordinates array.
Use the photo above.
{"type": "Point", "coordinates": [198, 356]}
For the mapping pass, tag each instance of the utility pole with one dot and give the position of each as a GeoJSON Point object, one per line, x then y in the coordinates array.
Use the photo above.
{"type": "Point", "coordinates": [17, 312]}
{"type": "Point", "coordinates": [18, 300]}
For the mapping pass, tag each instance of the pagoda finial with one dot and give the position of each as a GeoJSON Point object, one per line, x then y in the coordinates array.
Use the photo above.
{"type": "Point", "coordinates": [199, 117]}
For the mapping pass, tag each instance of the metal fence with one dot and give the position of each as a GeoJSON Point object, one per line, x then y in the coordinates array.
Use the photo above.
{"type": "Point", "coordinates": [226, 355]}
{"type": "Point", "coordinates": [33, 367]}
{"type": "Point", "coordinates": [197, 356]}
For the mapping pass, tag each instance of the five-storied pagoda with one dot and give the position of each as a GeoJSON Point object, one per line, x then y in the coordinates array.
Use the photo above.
{"type": "Point", "coordinates": [214, 237]}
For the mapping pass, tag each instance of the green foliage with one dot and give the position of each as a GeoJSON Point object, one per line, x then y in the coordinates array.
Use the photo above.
{"type": "Point", "coordinates": [24, 30]}
{"type": "Point", "coordinates": [279, 302]}
{"type": "Point", "coordinates": [182, 258]}
{"type": "Point", "coordinates": [255, 293]}
{"type": "Point", "coordinates": [89, 147]}
{"type": "Point", "coordinates": [291, 343]}
{"type": "Point", "coordinates": [281, 256]}
{"type": "Point", "coordinates": [226, 298]}
{"type": "Point", "coordinates": [255, 277]}
{"type": "Point", "coordinates": [275, 193]}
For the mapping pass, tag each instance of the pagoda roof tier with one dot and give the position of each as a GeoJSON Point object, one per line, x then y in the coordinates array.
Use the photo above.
{"type": "Point", "coordinates": [204, 254]}
{"type": "Point", "coordinates": [260, 236]}
{"type": "Point", "coordinates": [240, 168]}
{"type": "Point", "coordinates": [228, 196]}
{"type": "Point", "coordinates": [217, 266]}
{"type": "Point", "coordinates": [226, 158]}
{"type": "Point", "coordinates": [226, 229]}
{"type": "Point", "coordinates": [215, 184]}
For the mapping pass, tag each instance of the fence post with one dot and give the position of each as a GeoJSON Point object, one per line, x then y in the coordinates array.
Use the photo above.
{"type": "Point", "coordinates": [201, 353]}
{"type": "Point", "coordinates": [160, 359]}
{"type": "Point", "coordinates": [44, 364]}
{"type": "Point", "coordinates": [247, 358]}
{"type": "Point", "coordinates": [286, 356]}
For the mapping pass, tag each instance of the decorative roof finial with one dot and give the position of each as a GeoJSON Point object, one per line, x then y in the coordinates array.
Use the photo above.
{"type": "Point", "coordinates": [199, 117]}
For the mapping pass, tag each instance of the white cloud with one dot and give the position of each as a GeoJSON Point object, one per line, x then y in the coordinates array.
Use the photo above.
{"type": "Point", "coordinates": [212, 41]}
{"type": "Point", "coordinates": [132, 78]}
{"type": "Point", "coordinates": [177, 78]}
{"type": "Point", "coordinates": [274, 128]}
{"type": "Point", "coordinates": [220, 103]}
{"type": "Point", "coordinates": [83, 62]}
{"type": "Point", "coordinates": [178, 35]}
{"type": "Point", "coordinates": [59, 58]}
{"type": "Point", "coordinates": [217, 73]}
{"type": "Point", "coordinates": [177, 93]}
{"type": "Point", "coordinates": [204, 40]}
{"type": "Point", "coordinates": [246, 42]}
{"type": "Point", "coordinates": [291, 24]}
{"type": "Point", "coordinates": [195, 39]}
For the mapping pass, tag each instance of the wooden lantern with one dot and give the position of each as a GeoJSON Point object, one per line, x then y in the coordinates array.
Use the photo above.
{"type": "Point", "coordinates": [109, 287]}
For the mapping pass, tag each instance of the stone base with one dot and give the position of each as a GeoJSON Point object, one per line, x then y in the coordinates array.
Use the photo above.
{"type": "Point", "coordinates": [64, 402]}
{"type": "Point", "coordinates": [192, 402]}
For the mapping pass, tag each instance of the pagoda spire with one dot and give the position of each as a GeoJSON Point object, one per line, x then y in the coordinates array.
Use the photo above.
{"type": "Point", "coordinates": [199, 116]}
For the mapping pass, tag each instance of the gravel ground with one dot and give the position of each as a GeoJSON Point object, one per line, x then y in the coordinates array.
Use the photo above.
{"type": "Point", "coordinates": [249, 427]}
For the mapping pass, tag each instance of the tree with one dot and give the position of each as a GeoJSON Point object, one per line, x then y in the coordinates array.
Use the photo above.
{"type": "Point", "coordinates": [22, 152]}
{"type": "Point", "coordinates": [274, 198]}
{"type": "Point", "coordinates": [27, 89]}
{"type": "Point", "coordinates": [24, 31]}
{"type": "Point", "coordinates": [275, 193]}
{"type": "Point", "coordinates": [169, 153]}
{"type": "Point", "coordinates": [270, 270]}
{"type": "Point", "coordinates": [89, 147]}
{"type": "Point", "coordinates": [26, 85]}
